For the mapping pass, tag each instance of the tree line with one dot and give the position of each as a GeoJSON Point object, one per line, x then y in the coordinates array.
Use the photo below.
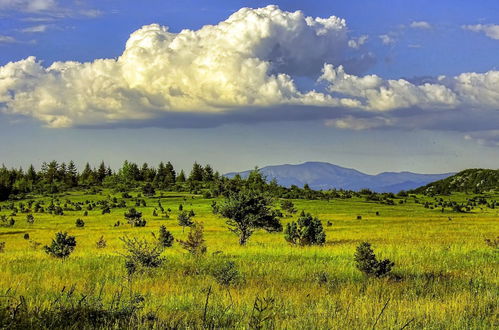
{"type": "Point", "coordinates": [54, 177]}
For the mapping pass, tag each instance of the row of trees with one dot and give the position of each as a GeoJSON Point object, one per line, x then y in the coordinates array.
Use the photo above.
{"type": "Point", "coordinates": [55, 177]}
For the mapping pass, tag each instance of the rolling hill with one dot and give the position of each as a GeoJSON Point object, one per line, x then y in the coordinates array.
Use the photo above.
{"type": "Point", "coordinates": [474, 180]}
{"type": "Point", "coordinates": [321, 175]}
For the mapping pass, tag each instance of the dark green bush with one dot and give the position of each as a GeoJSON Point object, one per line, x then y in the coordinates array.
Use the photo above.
{"type": "Point", "coordinates": [306, 231]}
{"type": "Point", "coordinates": [368, 264]}
{"type": "Point", "coordinates": [165, 238]}
{"type": "Point", "coordinates": [226, 273]}
{"type": "Point", "coordinates": [62, 245]}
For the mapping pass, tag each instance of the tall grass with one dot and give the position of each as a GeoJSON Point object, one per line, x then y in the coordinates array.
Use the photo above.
{"type": "Point", "coordinates": [445, 275]}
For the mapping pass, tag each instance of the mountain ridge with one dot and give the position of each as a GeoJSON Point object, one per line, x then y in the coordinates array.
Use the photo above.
{"type": "Point", "coordinates": [323, 175]}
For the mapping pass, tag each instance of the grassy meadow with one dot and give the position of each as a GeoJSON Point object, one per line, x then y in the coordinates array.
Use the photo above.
{"type": "Point", "coordinates": [445, 275]}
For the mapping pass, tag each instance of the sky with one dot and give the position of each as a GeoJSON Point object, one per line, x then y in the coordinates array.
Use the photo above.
{"type": "Point", "coordinates": [372, 85]}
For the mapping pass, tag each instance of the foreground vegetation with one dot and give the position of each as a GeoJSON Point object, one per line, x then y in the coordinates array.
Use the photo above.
{"type": "Point", "coordinates": [445, 272]}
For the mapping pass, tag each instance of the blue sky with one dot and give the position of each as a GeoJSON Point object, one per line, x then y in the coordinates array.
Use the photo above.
{"type": "Point", "coordinates": [362, 115]}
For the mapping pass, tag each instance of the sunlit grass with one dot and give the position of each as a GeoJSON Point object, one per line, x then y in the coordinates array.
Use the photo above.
{"type": "Point", "coordinates": [446, 276]}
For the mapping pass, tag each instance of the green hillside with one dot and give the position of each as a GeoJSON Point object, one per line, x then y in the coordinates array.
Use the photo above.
{"type": "Point", "coordinates": [476, 180]}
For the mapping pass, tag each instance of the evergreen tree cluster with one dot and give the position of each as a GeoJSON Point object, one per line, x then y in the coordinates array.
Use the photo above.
{"type": "Point", "coordinates": [55, 177]}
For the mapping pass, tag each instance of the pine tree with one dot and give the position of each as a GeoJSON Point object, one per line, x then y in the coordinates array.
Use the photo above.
{"type": "Point", "coordinates": [62, 245]}
{"type": "Point", "coordinates": [170, 175]}
{"type": "Point", "coordinates": [101, 172]}
{"type": "Point", "coordinates": [195, 242]}
{"type": "Point", "coordinates": [165, 238]}
{"type": "Point", "coordinates": [197, 172]}
{"type": "Point", "coordinates": [181, 177]}
{"type": "Point", "coordinates": [208, 173]}
{"type": "Point", "coordinates": [72, 175]}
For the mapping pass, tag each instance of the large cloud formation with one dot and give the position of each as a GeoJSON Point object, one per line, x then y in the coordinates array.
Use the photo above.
{"type": "Point", "coordinates": [244, 69]}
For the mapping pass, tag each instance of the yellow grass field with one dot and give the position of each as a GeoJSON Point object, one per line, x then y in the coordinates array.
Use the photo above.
{"type": "Point", "coordinates": [445, 275]}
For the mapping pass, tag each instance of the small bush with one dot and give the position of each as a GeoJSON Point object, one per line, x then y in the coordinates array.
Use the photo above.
{"type": "Point", "coordinates": [184, 219]}
{"type": "Point", "coordinates": [134, 218]}
{"type": "Point", "coordinates": [30, 219]}
{"type": "Point", "coordinates": [34, 245]}
{"type": "Point", "coordinates": [165, 238]}
{"type": "Point", "coordinates": [226, 273]}
{"type": "Point", "coordinates": [2, 247]}
{"type": "Point", "coordinates": [492, 242]}
{"type": "Point", "coordinates": [306, 231]}
{"type": "Point", "coordinates": [26, 236]}
{"type": "Point", "coordinates": [80, 223]}
{"type": "Point", "coordinates": [101, 243]}
{"type": "Point", "coordinates": [62, 245]}
{"type": "Point", "coordinates": [368, 264]}
{"type": "Point", "coordinates": [195, 243]}
{"type": "Point", "coordinates": [141, 253]}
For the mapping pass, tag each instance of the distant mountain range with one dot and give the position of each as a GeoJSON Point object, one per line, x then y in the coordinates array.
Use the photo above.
{"type": "Point", "coordinates": [320, 175]}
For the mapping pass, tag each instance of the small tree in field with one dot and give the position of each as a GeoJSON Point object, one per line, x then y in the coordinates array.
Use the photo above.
{"type": "Point", "coordinates": [134, 218]}
{"type": "Point", "coordinates": [368, 264]}
{"type": "Point", "coordinates": [306, 231]}
{"type": "Point", "coordinates": [247, 211]}
{"type": "Point", "coordinates": [184, 220]}
{"type": "Point", "coordinates": [80, 223]}
{"type": "Point", "coordinates": [141, 253]}
{"type": "Point", "coordinates": [195, 242]}
{"type": "Point", "coordinates": [62, 245]}
{"type": "Point", "coordinates": [165, 238]}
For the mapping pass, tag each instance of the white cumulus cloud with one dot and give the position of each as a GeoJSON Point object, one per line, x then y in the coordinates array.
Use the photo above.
{"type": "Point", "coordinates": [246, 61]}
{"type": "Point", "coordinates": [420, 25]}
{"type": "Point", "coordinates": [244, 69]}
{"type": "Point", "coordinates": [490, 30]}
{"type": "Point", "coordinates": [387, 39]}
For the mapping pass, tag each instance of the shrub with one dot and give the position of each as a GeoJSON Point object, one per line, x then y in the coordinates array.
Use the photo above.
{"type": "Point", "coordinates": [141, 253]}
{"type": "Point", "coordinates": [2, 247]}
{"type": "Point", "coordinates": [226, 273]}
{"type": "Point", "coordinates": [30, 219]}
{"type": "Point", "coordinates": [80, 223]}
{"type": "Point", "coordinates": [148, 190]}
{"type": "Point", "coordinates": [288, 206]}
{"type": "Point", "coordinates": [307, 231]}
{"type": "Point", "coordinates": [34, 245]}
{"type": "Point", "coordinates": [134, 218]}
{"type": "Point", "coordinates": [62, 245]}
{"type": "Point", "coordinates": [184, 219]}
{"type": "Point", "coordinates": [368, 264]}
{"type": "Point", "coordinates": [492, 242]}
{"type": "Point", "coordinates": [165, 238]}
{"type": "Point", "coordinates": [195, 243]}
{"type": "Point", "coordinates": [26, 236]}
{"type": "Point", "coordinates": [101, 243]}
